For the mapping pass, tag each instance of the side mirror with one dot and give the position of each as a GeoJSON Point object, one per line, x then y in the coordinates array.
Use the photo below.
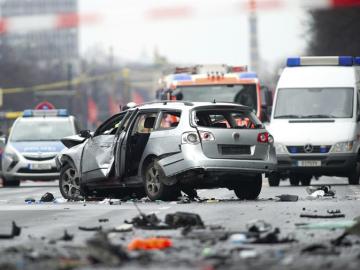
{"type": "Point", "coordinates": [85, 133]}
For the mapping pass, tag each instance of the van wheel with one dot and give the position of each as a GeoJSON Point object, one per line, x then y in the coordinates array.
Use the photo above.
{"type": "Point", "coordinates": [294, 181]}
{"type": "Point", "coordinates": [353, 178]}
{"type": "Point", "coordinates": [69, 182]}
{"type": "Point", "coordinates": [274, 180]}
{"type": "Point", "coordinates": [249, 189]}
{"type": "Point", "coordinates": [10, 183]}
{"type": "Point", "coordinates": [306, 180]}
{"type": "Point", "coordinates": [154, 178]}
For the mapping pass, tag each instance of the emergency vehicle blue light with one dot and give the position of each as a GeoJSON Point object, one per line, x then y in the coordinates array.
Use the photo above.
{"type": "Point", "coordinates": [182, 77]}
{"type": "Point", "coordinates": [27, 113]}
{"type": "Point", "coordinates": [63, 112]}
{"type": "Point", "coordinates": [248, 75]}
{"type": "Point", "coordinates": [357, 60]}
{"type": "Point", "coordinates": [345, 60]}
{"type": "Point", "coordinates": [293, 62]}
{"type": "Point", "coordinates": [293, 150]}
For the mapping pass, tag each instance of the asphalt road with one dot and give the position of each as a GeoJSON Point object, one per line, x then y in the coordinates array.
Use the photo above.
{"type": "Point", "coordinates": [44, 223]}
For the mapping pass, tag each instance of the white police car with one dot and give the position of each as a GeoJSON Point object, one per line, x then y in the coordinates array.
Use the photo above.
{"type": "Point", "coordinates": [33, 144]}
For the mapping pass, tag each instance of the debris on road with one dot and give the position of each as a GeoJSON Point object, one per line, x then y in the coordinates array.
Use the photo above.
{"type": "Point", "coordinates": [123, 228]}
{"type": "Point", "coordinates": [150, 243]}
{"type": "Point", "coordinates": [148, 222]}
{"type": "Point", "coordinates": [272, 237]}
{"type": "Point", "coordinates": [47, 197]}
{"type": "Point", "coordinates": [331, 214]}
{"type": "Point", "coordinates": [287, 198]}
{"type": "Point", "coordinates": [319, 249]}
{"type": "Point", "coordinates": [15, 231]}
{"type": "Point", "coordinates": [183, 219]}
{"type": "Point", "coordinates": [67, 236]}
{"type": "Point", "coordinates": [30, 200]}
{"type": "Point", "coordinates": [102, 220]}
{"type": "Point", "coordinates": [258, 226]}
{"type": "Point", "coordinates": [90, 229]}
{"type": "Point", "coordinates": [341, 224]}
{"type": "Point", "coordinates": [319, 192]}
{"type": "Point", "coordinates": [110, 201]}
{"type": "Point", "coordinates": [248, 253]}
{"type": "Point", "coordinates": [101, 250]}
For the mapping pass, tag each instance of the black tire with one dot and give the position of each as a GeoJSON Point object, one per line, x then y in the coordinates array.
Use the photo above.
{"type": "Point", "coordinates": [69, 182]}
{"type": "Point", "coordinates": [274, 180]}
{"type": "Point", "coordinates": [353, 178]}
{"type": "Point", "coordinates": [294, 180]}
{"type": "Point", "coordinates": [154, 178]}
{"type": "Point", "coordinates": [250, 189]}
{"type": "Point", "coordinates": [10, 183]}
{"type": "Point", "coordinates": [306, 180]}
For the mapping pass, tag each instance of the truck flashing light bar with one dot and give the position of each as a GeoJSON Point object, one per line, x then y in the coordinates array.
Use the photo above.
{"type": "Point", "coordinates": [44, 113]}
{"type": "Point", "coordinates": [323, 61]}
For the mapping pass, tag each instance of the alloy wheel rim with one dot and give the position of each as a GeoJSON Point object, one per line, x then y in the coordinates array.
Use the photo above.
{"type": "Point", "coordinates": [71, 183]}
{"type": "Point", "coordinates": [152, 181]}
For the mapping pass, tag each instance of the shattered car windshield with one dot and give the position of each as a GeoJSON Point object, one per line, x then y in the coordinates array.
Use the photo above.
{"type": "Point", "coordinates": [44, 130]}
{"type": "Point", "coordinates": [244, 94]}
{"type": "Point", "coordinates": [314, 103]}
{"type": "Point", "coordinates": [225, 118]}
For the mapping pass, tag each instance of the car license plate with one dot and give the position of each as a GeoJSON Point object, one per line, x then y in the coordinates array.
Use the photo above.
{"type": "Point", "coordinates": [40, 166]}
{"type": "Point", "coordinates": [309, 163]}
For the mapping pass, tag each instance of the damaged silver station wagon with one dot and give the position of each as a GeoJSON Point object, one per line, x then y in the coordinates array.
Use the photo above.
{"type": "Point", "coordinates": [164, 147]}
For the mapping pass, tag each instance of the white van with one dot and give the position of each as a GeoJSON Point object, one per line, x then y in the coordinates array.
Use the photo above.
{"type": "Point", "coordinates": [316, 118]}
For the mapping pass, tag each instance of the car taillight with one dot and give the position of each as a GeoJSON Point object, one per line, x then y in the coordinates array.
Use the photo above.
{"type": "Point", "coordinates": [190, 137]}
{"type": "Point", "coordinates": [265, 137]}
{"type": "Point", "coordinates": [206, 136]}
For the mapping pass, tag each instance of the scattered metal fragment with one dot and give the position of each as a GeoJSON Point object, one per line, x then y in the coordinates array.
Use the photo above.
{"type": "Point", "coordinates": [123, 228]}
{"type": "Point", "coordinates": [30, 200]}
{"type": "Point", "coordinates": [258, 226]}
{"type": "Point", "coordinates": [103, 220]}
{"type": "Point", "coordinates": [15, 231]}
{"type": "Point", "coordinates": [101, 250]}
{"type": "Point", "coordinates": [322, 216]}
{"type": "Point", "coordinates": [288, 198]}
{"type": "Point", "coordinates": [67, 236]}
{"type": "Point", "coordinates": [183, 219]}
{"type": "Point", "coordinates": [47, 197]}
{"type": "Point", "coordinates": [321, 191]}
{"type": "Point", "coordinates": [90, 229]}
{"type": "Point", "coordinates": [337, 211]}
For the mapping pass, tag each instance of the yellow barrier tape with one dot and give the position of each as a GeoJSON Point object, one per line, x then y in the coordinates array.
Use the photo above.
{"type": "Point", "coordinates": [56, 85]}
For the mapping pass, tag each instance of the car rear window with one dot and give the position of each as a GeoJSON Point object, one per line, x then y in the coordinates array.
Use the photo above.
{"type": "Point", "coordinates": [226, 119]}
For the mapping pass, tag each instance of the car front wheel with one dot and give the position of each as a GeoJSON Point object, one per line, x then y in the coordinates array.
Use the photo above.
{"type": "Point", "coordinates": [69, 182]}
{"type": "Point", "coordinates": [10, 183]}
{"type": "Point", "coordinates": [353, 178]}
{"type": "Point", "coordinates": [155, 188]}
{"type": "Point", "coordinates": [249, 189]}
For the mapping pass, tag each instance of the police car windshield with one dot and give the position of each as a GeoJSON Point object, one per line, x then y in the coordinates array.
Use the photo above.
{"type": "Point", "coordinates": [244, 94]}
{"type": "Point", "coordinates": [43, 129]}
{"type": "Point", "coordinates": [314, 103]}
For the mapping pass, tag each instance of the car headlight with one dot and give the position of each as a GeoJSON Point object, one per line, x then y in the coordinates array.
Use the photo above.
{"type": "Point", "coordinates": [12, 156]}
{"type": "Point", "coordinates": [342, 147]}
{"type": "Point", "coordinates": [280, 148]}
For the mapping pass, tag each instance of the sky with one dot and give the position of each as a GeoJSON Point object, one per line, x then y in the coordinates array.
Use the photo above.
{"type": "Point", "coordinates": [198, 32]}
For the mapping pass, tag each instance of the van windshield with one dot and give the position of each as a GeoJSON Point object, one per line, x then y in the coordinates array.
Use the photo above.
{"type": "Point", "coordinates": [41, 130]}
{"type": "Point", "coordinates": [244, 94]}
{"type": "Point", "coordinates": [314, 103]}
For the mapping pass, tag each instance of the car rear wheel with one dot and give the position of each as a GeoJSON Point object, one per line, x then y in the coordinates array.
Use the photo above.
{"type": "Point", "coordinates": [154, 178]}
{"type": "Point", "coordinates": [69, 182]}
{"type": "Point", "coordinates": [353, 178]}
{"type": "Point", "coordinates": [249, 189]}
{"type": "Point", "coordinates": [10, 183]}
{"type": "Point", "coordinates": [274, 180]}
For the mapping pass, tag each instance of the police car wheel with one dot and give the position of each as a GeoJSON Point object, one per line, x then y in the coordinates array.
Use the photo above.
{"type": "Point", "coordinates": [69, 182]}
{"type": "Point", "coordinates": [353, 178]}
{"type": "Point", "coordinates": [10, 183]}
{"type": "Point", "coordinates": [274, 180]}
{"type": "Point", "coordinates": [154, 184]}
{"type": "Point", "coordinates": [249, 189]}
